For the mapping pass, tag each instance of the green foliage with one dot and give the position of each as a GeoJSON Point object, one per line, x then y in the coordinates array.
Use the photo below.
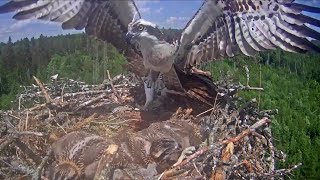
{"type": "Point", "coordinates": [295, 92]}
{"type": "Point", "coordinates": [80, 66]}
{"type": "Point", "coordinates": [73, 66]}
{"type": "Point", "coordinates": [74, 56]}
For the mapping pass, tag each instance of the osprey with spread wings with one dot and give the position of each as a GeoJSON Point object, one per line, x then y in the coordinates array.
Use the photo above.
{"type": "Point", "coordinates": [220, 28]}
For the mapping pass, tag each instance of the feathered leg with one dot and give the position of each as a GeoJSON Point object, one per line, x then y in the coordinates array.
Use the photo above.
{"type": "Point", "coordinates": [149, 85]}
{"type": "Point", "coordinates": [153, 86]}
{"type": "Point", "coordinates": [159, 85]}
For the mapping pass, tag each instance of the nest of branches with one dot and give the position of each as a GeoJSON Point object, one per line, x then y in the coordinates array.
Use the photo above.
{"type": "Point", "coordinates": [237, 142]}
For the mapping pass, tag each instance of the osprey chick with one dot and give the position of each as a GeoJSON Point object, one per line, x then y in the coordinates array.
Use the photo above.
{"type": "Point", "coordinates": [219, 29]}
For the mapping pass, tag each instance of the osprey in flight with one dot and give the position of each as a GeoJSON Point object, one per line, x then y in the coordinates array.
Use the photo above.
{"type": "Point", "coordinates": [220, 28]}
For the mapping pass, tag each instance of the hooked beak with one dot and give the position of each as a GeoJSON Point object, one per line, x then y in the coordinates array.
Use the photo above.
{"type": "Point", "coordinates": [132, 41]}
{"type": "Point", "coordinates": [129, 37]}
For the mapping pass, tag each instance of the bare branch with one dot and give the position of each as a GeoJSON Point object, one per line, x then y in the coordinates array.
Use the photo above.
{"type": "Point", "coordinates": [44, 91]}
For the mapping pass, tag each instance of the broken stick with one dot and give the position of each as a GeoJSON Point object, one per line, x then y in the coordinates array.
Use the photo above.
{"type": "Point", "coordinates": [45, 93]}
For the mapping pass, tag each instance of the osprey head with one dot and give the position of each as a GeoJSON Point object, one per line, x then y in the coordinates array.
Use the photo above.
{"type": "Point", "coordinates": [142, 30]}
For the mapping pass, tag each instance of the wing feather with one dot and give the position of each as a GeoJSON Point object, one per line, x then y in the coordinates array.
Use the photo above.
{"type": "Point", "coordinates": [15, 5]}
{"type": "Point", "coordinates": [232, 48]}
{"type": "Point", "coordinates": [229, 50]}
{"type": "Point", "coordinates": [301, 7]}
{"type": "Point", "coordinates": [209, 49]}
{"type": "Point", "coordinates": [80, 20]}
{"type": "Point", "coordinates": [231, 27]}
{"type": "Point", "coordinates": [259, 37]}
{"type": "Point", "coordinates": [107, 20]}
{"type": "Point", "coordinates": [222, 38]}
{"type": "Point", "coordinates": [241, 39]}
{"type": "Point", "coordinates": [61, 11]}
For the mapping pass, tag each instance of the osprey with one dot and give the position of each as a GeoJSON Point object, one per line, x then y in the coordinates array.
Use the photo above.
{"type": "Point", "coordinates": [220, 28]}
{"type": "Point", "coordinates": [80, 155]}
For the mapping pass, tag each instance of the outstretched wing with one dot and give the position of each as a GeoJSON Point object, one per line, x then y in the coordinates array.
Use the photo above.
{"type": "Point", "coordinates": [105, 19]}
{"type": "Point", "coordinates": [225, 28]}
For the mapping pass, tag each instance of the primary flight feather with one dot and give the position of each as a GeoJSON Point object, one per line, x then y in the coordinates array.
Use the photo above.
{"type": "Point", "coordinates": [219, 29]}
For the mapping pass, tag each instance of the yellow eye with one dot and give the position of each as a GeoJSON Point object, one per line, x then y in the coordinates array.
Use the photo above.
{"type": "Point", "coordinates": [141, 27]}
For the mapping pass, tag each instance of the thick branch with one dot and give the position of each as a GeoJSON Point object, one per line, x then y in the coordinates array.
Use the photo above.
{"type": "Point", "coordinates": [90, 102]}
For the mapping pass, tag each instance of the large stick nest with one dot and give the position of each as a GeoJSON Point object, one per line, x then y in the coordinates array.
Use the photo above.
{"type": "Point", "coordinates": [237, 142]}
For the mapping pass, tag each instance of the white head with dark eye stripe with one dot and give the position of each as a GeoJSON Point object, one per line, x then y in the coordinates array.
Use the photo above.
{"type": "Point", "coordinates": [142, 30]}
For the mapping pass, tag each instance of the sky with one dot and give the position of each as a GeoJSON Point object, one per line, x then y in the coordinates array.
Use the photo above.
{"type": "Point", "coordinates": [164, 13]}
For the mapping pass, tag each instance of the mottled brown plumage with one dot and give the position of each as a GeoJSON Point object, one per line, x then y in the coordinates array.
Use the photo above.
{"type": "Point", "coordinates": [133, 155]}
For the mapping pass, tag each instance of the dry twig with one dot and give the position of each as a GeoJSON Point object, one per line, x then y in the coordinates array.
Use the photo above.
{"type": "Point", "coordinates": [113, 88]}
{"type": "Point", "coordinates": [45, 93]}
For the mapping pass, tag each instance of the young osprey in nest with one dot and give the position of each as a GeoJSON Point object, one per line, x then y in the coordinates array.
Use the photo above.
{"type": "Point", "coordinates": [219, 29]}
